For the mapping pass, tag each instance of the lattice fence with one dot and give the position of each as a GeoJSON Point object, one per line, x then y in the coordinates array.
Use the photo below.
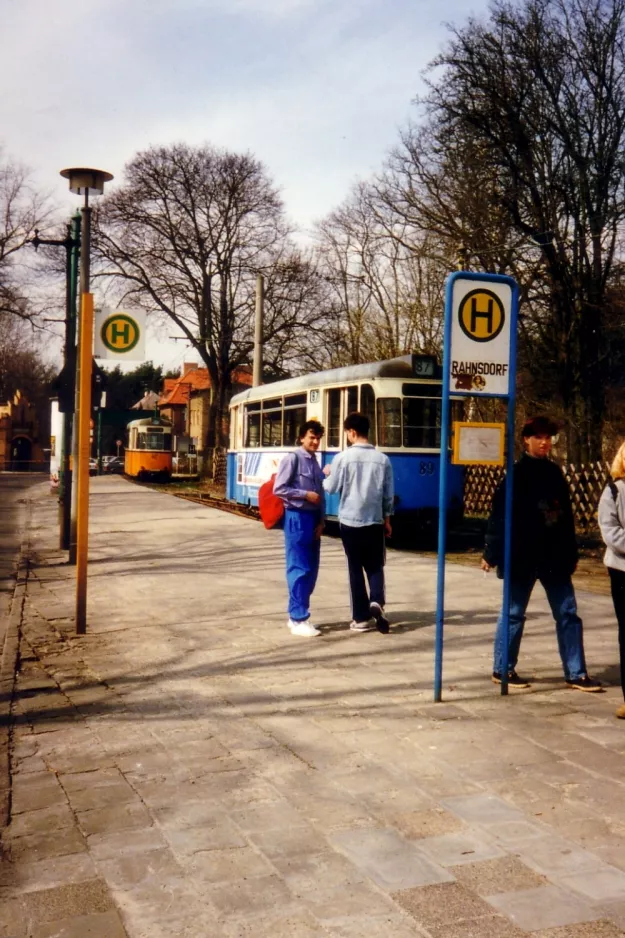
{"type": "Point", "coordinates": [586, 483]}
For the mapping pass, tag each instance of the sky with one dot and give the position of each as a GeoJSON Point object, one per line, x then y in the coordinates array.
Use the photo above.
{"type": "Point", "coordinates": [315, 89]}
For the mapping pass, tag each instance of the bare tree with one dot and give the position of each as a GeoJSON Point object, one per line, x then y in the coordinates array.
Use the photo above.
{"type": "Point", "coordinates": [387, 278]}
{"type": "Point", "coordinates": [22, 210]}
{"type": "Point", "coordinates": [537, 95]}
{"type": "Point", "coordinates": [187, 234]}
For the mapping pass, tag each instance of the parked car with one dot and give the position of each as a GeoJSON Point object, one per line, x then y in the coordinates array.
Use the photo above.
{"type": "Point", "coordinates": [113, 464]}
{"type": "Point", "coordinates": [93, 466]}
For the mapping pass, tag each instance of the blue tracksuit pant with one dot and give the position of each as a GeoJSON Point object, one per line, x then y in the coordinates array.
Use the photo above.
{"type": "Point", "coordinates": [302, 552]}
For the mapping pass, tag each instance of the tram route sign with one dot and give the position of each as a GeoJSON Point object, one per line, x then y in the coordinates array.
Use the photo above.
{"type": "Point", "coordinates": [479, 357]}
{"type": "Point", "coordinates": [120, 335]}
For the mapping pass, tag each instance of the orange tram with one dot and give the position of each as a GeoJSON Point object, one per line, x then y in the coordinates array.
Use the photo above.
{"type": "Point", "coordinates": [148, 454]}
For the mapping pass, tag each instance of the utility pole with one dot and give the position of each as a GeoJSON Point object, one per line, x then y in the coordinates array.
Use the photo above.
{"type": "Point", "coordinates": [257, 374]}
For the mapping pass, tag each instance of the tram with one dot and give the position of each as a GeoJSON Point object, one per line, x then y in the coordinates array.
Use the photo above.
{"type": "Point", "coordinates": [402, 398]}
{"type": "Point", "coordinates": [148, 454]}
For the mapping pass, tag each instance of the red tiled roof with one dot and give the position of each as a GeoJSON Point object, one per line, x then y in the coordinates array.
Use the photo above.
{"type": "Point", "coordinates": [178, 390]}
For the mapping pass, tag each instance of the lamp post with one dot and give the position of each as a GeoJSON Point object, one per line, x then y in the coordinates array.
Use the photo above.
{"type": "Point", "coordinates": [83, 181]}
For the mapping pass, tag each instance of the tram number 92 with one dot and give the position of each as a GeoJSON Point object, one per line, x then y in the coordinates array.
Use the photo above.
{"type": "Point", "coordinates": [426, 468]}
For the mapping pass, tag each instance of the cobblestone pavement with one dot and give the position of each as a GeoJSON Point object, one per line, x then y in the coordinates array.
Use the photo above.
{"type": "Point", "coordinates": [188, 769]}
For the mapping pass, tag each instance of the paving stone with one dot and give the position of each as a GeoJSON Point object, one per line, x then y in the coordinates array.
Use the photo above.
{"type": "Point", "coordinates": [468, 846]}
{"type": "Point", "coordinates": [250, 897]}
{"type": "Point", "coordinates": [432, 823]}
{"type": "Point", "coordinates": [442, 904]}
{"type": "Point", "coordinates": [290, 925]}
{"type": "Point", "coordinates": [50, 844]}
{"type": "Point", "coordinates": [76, 899]}
{"type": "Point", "coordinates": [34, 798]}
{"type": "Point", "coordinates": [501, 875]}
{"type": "Point", "coordinates": [389, 859]}
{"type": "Point", "coordinates": [343, 901]}
{"type": "Point", "coordinates": [555, 856]}
{"type": "Point", "coordinates": [134, 868]}
{"type": "Point", "coordinates": [483, 809]}
{"type": "Point", "coordinates": [44, 874]}
{"type": "Point", "coordinates": [13, 922]}
{"type": "Point", "coordinates": [189, 814]}
{"type": "Point", "coordinates": [222, 866]}
{"type": "Point", "coordinates": [190, 840]}
{"type": "Point", "coordinates": [599, 885]}
{"type": "Point", "coordinates": [289, 841]}
{"type": "Point", "coordinates": [116, 844]}
{"type": "Point", "coordinates": [100, 925]}
{"type": "Point", "coordinates": [544, 907]}
{"type": "Point", "coordinates": [494, 926]}
{"type": "Point", "coordinates": [101, 796]}
{"type": "Point", "coordinates": [599, 929]}
{"type": "Point", "coordinates": [511, 834]}
{"type": "Point", "coordinates": [113, 817]}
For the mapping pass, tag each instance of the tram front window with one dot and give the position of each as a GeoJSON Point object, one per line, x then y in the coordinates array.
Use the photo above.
{"type": "Point", "coordinates": [389, 421]}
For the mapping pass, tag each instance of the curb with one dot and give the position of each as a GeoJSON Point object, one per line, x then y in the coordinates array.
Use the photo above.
{"type": "Point", "coordinates": [8, 665]}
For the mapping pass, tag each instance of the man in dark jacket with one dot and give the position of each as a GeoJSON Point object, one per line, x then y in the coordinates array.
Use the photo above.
{"type": "Point", "coordinates": [543, 548]}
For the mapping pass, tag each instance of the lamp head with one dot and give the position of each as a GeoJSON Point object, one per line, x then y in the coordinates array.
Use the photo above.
{"type": "Point", "coordinates": [83, 181]}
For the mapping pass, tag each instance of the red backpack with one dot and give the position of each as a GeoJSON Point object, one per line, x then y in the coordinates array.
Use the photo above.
{"type": "Point", "coordinates": [270, 506]}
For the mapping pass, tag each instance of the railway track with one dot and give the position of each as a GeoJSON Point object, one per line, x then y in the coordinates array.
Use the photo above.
{"type": "Point", "coordinates": [222, 504]}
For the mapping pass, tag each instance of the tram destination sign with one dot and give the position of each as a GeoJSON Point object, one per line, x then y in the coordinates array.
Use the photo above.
{"type": "Point", "coordinates": [479, 359]}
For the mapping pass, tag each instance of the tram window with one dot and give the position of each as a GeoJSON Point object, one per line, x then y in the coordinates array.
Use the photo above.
{"type": "Point", "coordinates": [274, 404]}
{"type": "Point", "coordinates": [333, 433]}
{"type": "Point", "coordinates": [153, 439]}
{"type": "Point", "coordinates": [167, 442]}
{"type": "Point", "coordinates": [422, 390]}
{"type": "Point", "coordinates": [367, 407]}
{"type": "Point", "coordinates": [352, 400]}
{"type": "Point", "coordinates": [422, 422]}
{"type": "Point", "coordinates": [389, 421]}
{"type": "Point", "coordinates": [272, 427]}
{"type": "Point", "coordinates": [251, 407]}
{"type": "Point", "coordinates": [294, 417]}
{"type": "Point", "coordinates": [252, 431]}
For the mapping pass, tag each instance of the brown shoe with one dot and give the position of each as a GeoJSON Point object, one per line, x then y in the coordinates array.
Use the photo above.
{"type": "Point", "coordinates": [620, 713]}
{"type": "Point", "coordinates": [586, 684]}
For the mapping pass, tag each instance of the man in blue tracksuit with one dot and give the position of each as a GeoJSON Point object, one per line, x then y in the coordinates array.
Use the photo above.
{"type": "Point", "coordinates": [363, 476]}
{"type": "Point", "coordinates": [299, 483]}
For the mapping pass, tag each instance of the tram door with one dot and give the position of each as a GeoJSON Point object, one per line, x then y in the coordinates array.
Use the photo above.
{"type": "Point", "coordinates": [339, 403]}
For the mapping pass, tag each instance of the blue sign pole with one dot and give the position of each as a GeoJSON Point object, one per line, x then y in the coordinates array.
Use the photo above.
{"type": "Point", "coordinates": [442, 497]}
{"type": "Point", "coordinates": [444, 461]}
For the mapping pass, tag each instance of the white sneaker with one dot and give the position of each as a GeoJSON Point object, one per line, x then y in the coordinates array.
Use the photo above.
{"type": "Point", "coordinates": [360, 626]}
{"type": "Point", "coordinates": [305, 628]}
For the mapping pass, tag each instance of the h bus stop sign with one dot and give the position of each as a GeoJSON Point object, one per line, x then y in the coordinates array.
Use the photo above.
{"type": "Point", "coordinates": [479, 359]}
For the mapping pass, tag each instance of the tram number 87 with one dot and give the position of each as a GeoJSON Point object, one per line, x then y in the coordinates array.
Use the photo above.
{"type": "Point", "coordinates": [426, 469]}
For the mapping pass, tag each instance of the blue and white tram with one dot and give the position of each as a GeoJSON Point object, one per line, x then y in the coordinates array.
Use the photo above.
{"type": "Point", "coordinates": [401, 397]}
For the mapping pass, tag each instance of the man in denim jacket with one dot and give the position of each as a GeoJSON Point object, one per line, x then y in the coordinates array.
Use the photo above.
{"type": "Point", "coordinates": [364, 478]}
{"type": "Point", "coordinates": [299, 483]}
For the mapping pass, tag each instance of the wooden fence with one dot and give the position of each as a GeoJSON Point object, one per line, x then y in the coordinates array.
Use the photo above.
{"type": "Point", "coordinates": [586, 483]}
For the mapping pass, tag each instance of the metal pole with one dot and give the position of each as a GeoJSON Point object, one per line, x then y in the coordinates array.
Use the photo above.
{"type": "Point", "coordinates": [257, 375]}
{"type": "Point", "coordinates": [442, 500]}
{"type": "Point", "coordinates": [84, 446]}
{"type": "Point", "coordinates": [70, 362]}
{"type": "Point", "coordinates": [83, 419]}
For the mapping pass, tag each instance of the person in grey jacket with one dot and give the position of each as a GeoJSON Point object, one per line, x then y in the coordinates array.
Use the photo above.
{"type": "Point", "coordinates": [363, 477]}
{"type": "Point", "coordinates": [612, 525]}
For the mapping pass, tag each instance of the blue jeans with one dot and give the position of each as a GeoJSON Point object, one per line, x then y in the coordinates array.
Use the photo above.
{"type": "Point", "coordinates": [302, 551]}
{"type": "Point", "coordinates": [561, 597]}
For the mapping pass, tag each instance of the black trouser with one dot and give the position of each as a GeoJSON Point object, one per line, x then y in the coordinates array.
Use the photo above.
{"type": "Point", "coordinates": [617, 583]}
{"type": "Point", "coordinates": [366, 553]}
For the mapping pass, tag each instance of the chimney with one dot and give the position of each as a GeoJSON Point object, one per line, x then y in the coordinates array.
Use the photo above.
{"type": "Point", "coordinates": [187, 367]}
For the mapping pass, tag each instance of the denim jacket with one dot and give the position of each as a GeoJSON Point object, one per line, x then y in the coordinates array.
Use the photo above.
{"type": "Point", "coordinates": [363, 476]}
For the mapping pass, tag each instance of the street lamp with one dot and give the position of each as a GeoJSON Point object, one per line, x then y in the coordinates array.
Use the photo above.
{"type": "Point", "coordinates": [83, 181]}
